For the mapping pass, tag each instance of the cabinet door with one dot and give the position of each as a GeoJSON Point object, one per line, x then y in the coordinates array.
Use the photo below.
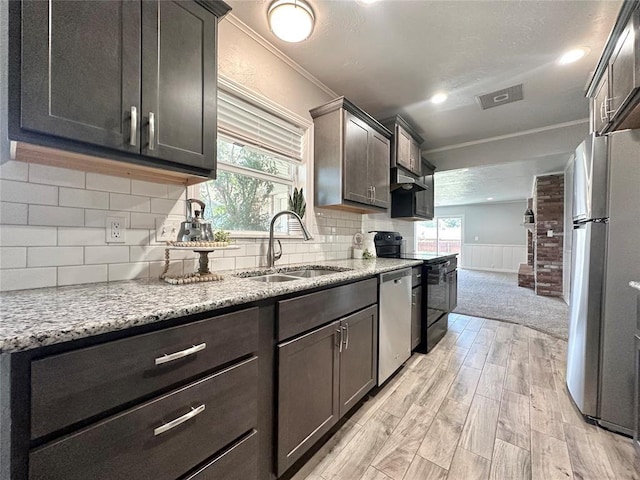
{"type": "Point", "coordinates": [379, 150]}
{"type": "Point", "coordinates": [356, 181]}
{"type": "Point", "coordinates": [622, 66]}
{"type": "Point", "coordinates": [416, 162]}
{"type": "Point", "coordinates": [403, 148]}
{"type": "Point", "coordinates": [308, 376]}
{"type": "Point", "coordinates": [80, 72]}
{"type": "Point", "coordinates": [599, 106]}
{"type": "Point", "coordinates": [358, 359]}
{"type": "Point", "coordinates": [179, 83]}
{"type": "Point", "coordinates": [429, 197]}
{"type": "Point", "coordinates": [416, 316]}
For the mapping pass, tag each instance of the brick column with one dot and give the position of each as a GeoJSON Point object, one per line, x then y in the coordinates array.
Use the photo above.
{"type": "Point", "coordinates": [549, 213]}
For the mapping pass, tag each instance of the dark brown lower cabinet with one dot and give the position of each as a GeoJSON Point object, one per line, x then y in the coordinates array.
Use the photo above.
{"type": "Point", "coordinates": [416, 316]}
{"type": "Point", "coordinates": [237, 463]}
{"type": "Point", "coordinates": [321, 376]}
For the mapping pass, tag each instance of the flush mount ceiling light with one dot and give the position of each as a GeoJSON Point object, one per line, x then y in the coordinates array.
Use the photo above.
{"type": "Point", "coordinates": [572, 56]}
{"type": "Point", "coordinates": [367, 2]}
{"type": "Point", "coordinates": [439, 98]}
{"type": "Point", "coordinates": [489, 198]}
{"type": "Point", "coordinates": [291, 20]}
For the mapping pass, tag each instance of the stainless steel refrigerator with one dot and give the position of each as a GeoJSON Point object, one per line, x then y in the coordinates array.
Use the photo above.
{"type": "Point", "coordinates": [605, 258]}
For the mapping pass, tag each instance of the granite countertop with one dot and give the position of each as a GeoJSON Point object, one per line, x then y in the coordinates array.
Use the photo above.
{"type": "Point", "coordinates": [635, 285]}
{"type": "Point", "coordinates": [47, 316]}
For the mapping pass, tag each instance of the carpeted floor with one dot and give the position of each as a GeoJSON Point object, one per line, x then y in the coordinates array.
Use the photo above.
{"type": "Point", "coordinates": [497, 296]}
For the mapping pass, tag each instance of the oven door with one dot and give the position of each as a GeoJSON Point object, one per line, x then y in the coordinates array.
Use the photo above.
{"type": "Point", "coordinates": [437, 291]}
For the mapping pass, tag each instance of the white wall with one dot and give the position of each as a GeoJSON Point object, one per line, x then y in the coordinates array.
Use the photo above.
{"type": "Point", "coordinates": [493, 237]}
{"type": "Point", "coordinates": [491, 223]}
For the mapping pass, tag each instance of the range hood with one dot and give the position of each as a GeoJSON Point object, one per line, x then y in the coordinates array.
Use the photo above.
{"type": "Point", "coordinates": [405, 183]}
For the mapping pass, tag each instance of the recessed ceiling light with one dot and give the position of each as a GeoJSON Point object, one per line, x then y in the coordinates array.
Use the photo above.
{"type": "Point", "coordinates": [465, 169]}
{"type": "Point", "coordinates": [367, 2]}
{"type": "Point", "coordinates": [439, 98]}
{"type": "Point", "coordinates": [291, 20]}
{"type": "Point", "coordinates": [489, 198]}
{"type": "Point", "coordinates": [572, 56]}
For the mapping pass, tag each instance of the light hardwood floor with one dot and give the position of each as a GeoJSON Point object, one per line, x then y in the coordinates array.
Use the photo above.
{"type": "Point", "coordinates": [489, 402]}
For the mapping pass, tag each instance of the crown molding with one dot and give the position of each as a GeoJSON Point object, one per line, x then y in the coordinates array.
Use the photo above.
{"type": "Point", "coordinates": [246, 29]}
{"type": "Point", "coordinates": [509, 135]}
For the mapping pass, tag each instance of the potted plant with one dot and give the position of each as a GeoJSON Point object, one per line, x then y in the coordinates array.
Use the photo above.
{"type": "Point", "coordinates": [298, 205]}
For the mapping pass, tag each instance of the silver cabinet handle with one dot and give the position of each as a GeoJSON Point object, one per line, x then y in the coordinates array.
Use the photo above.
{"type": "Point", "coordinates": [134, 126]}
{"type": "Point", "coordinates": [180, 420]}
{"type": "Point", "coordinates": [418, 275]}
{"type": "Point", "coordinates": [152, 130]}
{"type": "Point", "coordinates": [602, 114]}
{"type": "Point", "coordinates": [339, 332]}
{"type": "Point", "coordinates": [413, 298]}
{"type": "Point", "coordinates": [373, 196]}
{"type": "Point", "coordinates": [166, 358]}
{"type": "Point", "coordinates": [347, 343]}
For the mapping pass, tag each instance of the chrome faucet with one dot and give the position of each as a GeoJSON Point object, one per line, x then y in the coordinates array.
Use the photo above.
{"type": "Point", "coordinates": [272, 256]}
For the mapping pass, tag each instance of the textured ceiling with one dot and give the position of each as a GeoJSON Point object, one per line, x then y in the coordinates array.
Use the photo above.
{"type": "Point", "coordinates": [391, 56]}
{"type": "Point", "coordinates": [510, 181]}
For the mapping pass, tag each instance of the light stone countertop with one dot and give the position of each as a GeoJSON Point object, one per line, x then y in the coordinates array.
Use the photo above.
{"type": "Point", "coordinates": [47, 316]}
{"type": "Point", "coordinates": [635, 285]}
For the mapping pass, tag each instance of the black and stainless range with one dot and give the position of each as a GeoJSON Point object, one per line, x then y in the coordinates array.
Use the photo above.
{"type": "Point", "coordinates": [440, 288]}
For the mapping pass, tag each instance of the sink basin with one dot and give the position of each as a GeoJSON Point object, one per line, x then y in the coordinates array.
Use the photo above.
{"type": "Point", "coordinates": [310, 273]}
{"type": "Point", "coordinates": [276, 277]}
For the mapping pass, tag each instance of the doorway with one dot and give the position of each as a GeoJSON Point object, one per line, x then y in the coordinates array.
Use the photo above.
{"type": "Point", "coordinates": [440, 236]}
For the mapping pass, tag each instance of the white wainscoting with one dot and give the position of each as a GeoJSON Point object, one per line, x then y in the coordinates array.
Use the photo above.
{"type": "Point", "coordinates": [494, 258]}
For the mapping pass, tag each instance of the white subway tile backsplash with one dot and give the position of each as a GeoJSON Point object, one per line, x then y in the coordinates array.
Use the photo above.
{"type": "Point", "coordinates": [177, 192]}
{"type": "Point", "coordinates": [148, 189]}
{"type": "Point", "coordinates": [128, 271]}
{"type": "Point", "coordinates": [13, 213]}
{"type": "Point", "coordinates": [106, 254]}
{"type": "Point", "coordinates": [13, 257]}
{"type": "Point", "coordinates": [98, 218]}
{"type": "Point", "coordinates": [246, 262]}
{"type": "Point", "coordinates": [75, 197]}
{"type": "Point", "coordinates": [54, 256]}
{"type": "Point", "coordinates": [62, 177]}
{"type": "Point", "coordinates": [23, 278]}
{"type": "Point", "coordinates": [138, 236]}
{"type": "Point", "coordinates": [129, 203]}
{"type": "Point", "coordinates": [157, 268]}
{"type": "Point", "coordinates": [81, 236]}
{"type": "Point", "coordinates": [108, 183]}
{"type": "Point", "coordinates": [22, 192]}
{"type": "Point", "coordinates": [56, 216]}
{"type": "Point", "coordinates": [27, 236]}
{"type": "Point", "coordinates": [145, 220]}
{"type": "Point", "coordinates": [168, 207]}
{"type": "Point", "coordinates": [82, 274]}
{"type": "Point", "coordinates": [147, 254]}
{"type": "Point", "coordinates": [15, 170]}
{"type": "Point", "coordinates": [215, 265]}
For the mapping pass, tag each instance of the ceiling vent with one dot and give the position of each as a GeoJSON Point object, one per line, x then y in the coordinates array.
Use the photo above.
{"type": "Point", "coordinates": [500, 97]}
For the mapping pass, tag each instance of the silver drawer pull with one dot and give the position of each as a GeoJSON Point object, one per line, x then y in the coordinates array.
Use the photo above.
{"type": "Point", "coordinates": [180, 420]}
{"type": "Point", "coordinates": [152, 130]}
{"type": "Point", "coordinates": [134, 126]}
{"type": "Point", "coordinates": [184, 353]}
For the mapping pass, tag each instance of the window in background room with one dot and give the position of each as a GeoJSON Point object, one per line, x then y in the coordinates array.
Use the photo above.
{"type": "Point", "coordinates": [259, 155]}
{"type": "Point", "coordinates": [440, 236]}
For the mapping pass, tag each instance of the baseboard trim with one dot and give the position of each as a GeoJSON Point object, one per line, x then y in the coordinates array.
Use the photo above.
{"type": "Point", "coordinates": [498, 270]}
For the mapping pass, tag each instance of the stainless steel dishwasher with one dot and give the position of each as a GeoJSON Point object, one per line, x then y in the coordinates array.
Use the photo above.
{"type": "Point", "coordinates": [394, 333]}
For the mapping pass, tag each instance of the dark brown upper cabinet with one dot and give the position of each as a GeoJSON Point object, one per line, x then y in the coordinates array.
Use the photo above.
{"type": "Point", "coordinates": [126, 80]}
{"type": "Point", "coordinates": [615, 98]}
{"type": "Point", "coordinates": [405, 145]}
{"type": "Point", "coordinates": [351, 158]}
{"type": "Point", "coordinates": [415, 206]}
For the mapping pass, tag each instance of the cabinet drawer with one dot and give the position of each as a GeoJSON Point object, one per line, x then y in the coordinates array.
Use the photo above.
{"type": "Point", "coordinates": [128, 445]}
{"type": "Point", "coordinates": [237, 463]}
{"type": "Point", "coordinates": [303, 313]}
{"type": "Point", "coordinates": [416, 276]}
{"type": "Point", "coordinates": [77, 385]}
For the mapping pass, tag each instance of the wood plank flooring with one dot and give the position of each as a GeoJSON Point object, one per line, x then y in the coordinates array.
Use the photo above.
{"type": "Point", "coordinates": [488, 403]}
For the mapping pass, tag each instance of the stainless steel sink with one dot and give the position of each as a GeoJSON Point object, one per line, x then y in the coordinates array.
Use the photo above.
{"type": "Point", "coordinates": [310, 273]}
{"type": "Point", "coordinates": [273, 278]}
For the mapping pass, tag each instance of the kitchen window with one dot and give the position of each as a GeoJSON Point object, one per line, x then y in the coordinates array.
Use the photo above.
{"type": "Point", "coordinates": [260, 160]}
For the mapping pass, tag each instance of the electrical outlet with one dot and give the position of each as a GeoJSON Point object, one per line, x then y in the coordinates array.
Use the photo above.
{"type": "Point", "coordinates": [167, 229]}
{"type": "Point", "coordinates": [115, 229]}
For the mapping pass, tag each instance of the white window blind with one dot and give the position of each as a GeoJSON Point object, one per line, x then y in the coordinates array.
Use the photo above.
{"type": "Point", "coordinates": [245, 122]}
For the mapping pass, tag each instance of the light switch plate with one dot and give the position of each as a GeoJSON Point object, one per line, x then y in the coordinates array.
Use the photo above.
{"type": "Point", "coordinates": [167, 229]}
